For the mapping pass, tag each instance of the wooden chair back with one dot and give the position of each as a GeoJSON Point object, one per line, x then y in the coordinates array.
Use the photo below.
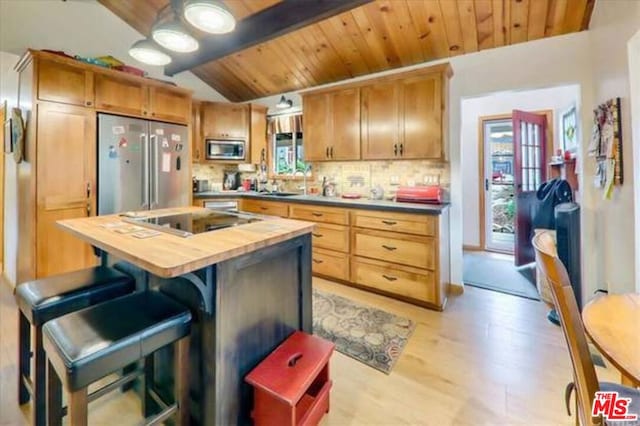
{"type": "Point", "coordinates": [584, 372]}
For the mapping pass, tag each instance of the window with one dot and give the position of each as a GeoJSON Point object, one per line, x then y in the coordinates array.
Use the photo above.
{"type": "Point", "coordinates": [286, 151]}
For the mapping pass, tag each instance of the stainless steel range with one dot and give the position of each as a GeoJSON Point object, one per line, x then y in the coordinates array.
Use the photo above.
{"type": "Point", "coordinates": [188, 224]}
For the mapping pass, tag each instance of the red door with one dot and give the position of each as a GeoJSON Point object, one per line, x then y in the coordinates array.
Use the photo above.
{"type": "Point", "coordinates": [529, 140]}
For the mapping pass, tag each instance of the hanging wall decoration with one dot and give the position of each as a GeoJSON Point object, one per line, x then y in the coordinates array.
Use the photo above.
{"type": "Point", "coordinates": [606, 146]}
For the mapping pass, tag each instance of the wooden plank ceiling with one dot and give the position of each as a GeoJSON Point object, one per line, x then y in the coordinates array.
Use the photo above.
{"type": "Point", "coordinates": [378, 36]}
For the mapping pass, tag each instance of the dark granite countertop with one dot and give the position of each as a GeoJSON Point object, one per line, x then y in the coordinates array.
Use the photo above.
{"type": "Point", "coordinates": [361, 203]}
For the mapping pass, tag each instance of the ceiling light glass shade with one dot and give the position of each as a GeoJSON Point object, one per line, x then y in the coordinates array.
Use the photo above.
{"type": "Point", "coordinates": [210, 16]}
{"type": "Point", "coordinates": [173, 36]}
{"type": "Point", "coordinates": [148, 53]}
{"type": "Point", "coordinates": [284, 103]}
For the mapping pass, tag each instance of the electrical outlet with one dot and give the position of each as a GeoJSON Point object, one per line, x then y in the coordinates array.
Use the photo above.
{"type": "Point", "coordinates": [394, 180]}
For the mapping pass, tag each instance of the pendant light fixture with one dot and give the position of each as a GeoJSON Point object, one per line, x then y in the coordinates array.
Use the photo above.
{"type": "Point", "coordinates": [284, 103]}
{"type": "Point", "coordinates": [147, 52]}
{"type": "Point", "coordinates": [210, 16]}
{"type": "Point", "coordinates": [173, 36]}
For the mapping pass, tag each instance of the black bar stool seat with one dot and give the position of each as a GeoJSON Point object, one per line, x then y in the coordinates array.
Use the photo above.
{"type": "Point", "coordinates": [87, 345]}
{"type": "Point", "coordinates": [47, 298]}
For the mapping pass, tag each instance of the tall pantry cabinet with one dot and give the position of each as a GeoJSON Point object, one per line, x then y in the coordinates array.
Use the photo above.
{"type": "Point", "coordinates": [59, 99]}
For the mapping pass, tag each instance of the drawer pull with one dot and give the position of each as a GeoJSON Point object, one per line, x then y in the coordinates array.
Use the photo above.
{"type": "Point", "coordinates": [389, 222]}
{"type": "Point", "coordinates": [316, 235]}
{"type": "Point", "coordinates": [316, 214]}
{"type": "Point", "coordinates": [318, 261]}
{"type": "Point", "coordinates": [390, 248]}
{"type": "Point", "coordinates": [389, 277]}
{"type": "Point", "coordinates": [263, 208]}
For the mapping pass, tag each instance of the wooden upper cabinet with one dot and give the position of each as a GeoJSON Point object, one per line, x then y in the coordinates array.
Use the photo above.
{"type": "Point", "coordinates": [258, 132]}
{"type": "Point", "coordinates": [197, 144]}
{"type": "Point", "coordinates": [344, 108]}
{"type": "Point", "coordinates": [122, 95]}
{"type": "Point", "coordinates": [225, 120]}
{"type": "Point", "coordinates": [316, 124]}
{"type": "Point", "coordinates": [66, 169]}
{"type": "Point", "coordinates": [422, 117]}
{"type": "Point", "coordinates": [59, 82]}
{"type": "Point", "coordinates": [380, 121]}
{"type": "Point", "coordinates": [169, 105]}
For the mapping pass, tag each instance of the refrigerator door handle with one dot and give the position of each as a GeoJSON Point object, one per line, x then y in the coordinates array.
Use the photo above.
{"type": "Point", "coordinates": [145, 170]}
{"type": "Point", "coordinates": [154, 155]}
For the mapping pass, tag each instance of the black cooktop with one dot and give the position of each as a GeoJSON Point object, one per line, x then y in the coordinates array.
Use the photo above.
{"type": "Point", "coordinates": [187, 224]}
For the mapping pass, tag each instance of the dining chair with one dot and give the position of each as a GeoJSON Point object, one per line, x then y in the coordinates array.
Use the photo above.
{"type": "Point", "coordinates": [585, 380]}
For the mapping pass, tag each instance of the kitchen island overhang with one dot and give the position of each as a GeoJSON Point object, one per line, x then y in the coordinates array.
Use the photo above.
{"type": "Point", "coordinates": [249, 287]}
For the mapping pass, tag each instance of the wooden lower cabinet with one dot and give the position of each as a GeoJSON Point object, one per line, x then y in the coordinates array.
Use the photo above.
{"type": "Point", "coordinates": [410, 250]}
{"type": "Point", "coordinates": [332, 237]}
{"type": "Point", "coordinates": [401, 280]}
{"type": "Point", "coordinates": [319, 214]}
{"type": "Point", "coordinates": [330, 263]}
{"type": "Point", "coordinates": [269, 208]}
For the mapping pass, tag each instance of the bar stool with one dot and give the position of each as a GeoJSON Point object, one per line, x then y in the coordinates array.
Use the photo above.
{"type": "Point", "coordinates": [48, 298]}
{"type": "Point", "coordinates": [85, 346]}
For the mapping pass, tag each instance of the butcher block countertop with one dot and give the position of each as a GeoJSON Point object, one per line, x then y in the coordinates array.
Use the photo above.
{"type": "Point", "coordinates": [168, 255]}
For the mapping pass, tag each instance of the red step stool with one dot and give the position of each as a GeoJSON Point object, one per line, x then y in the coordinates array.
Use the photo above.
{"type": "Point", "coordinates": [291, 385]}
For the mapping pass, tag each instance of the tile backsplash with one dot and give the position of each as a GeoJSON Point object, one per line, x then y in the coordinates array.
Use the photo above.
{"type": "Point", "coordinates": [354, 176]}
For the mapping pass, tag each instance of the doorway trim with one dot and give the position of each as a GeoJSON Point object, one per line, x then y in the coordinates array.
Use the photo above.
{"type": "Point", "coordinates": [481, 169]}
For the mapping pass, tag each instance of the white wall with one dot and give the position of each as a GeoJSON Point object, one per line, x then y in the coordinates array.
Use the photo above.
{"type": "Point", "coordinates": [634, 84]}
{"type": "Point", "coordinates": [9, 92]}
{"type": "Point", "coordinates": [612, 25]}
{"type": "Point", "coordinates": [80, 27]}
{"type": "Point", "coordinates": [555, 98]}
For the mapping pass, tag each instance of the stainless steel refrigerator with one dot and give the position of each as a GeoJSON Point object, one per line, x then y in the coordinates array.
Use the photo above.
{"type": "Point", "coordinates": [142, 164]}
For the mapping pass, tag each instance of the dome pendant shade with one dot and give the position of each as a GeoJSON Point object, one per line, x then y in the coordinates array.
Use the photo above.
{"type": "Point", "coordinates": [148, 53]}
{"type": "Point", "coordinates": [284, 103]}
{"type": "Point", "coordinates": [210, 16]}
{"type": "Point", "coordinates": [173, 36]}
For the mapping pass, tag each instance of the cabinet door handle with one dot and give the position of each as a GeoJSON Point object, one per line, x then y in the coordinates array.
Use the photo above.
{"type": "Point", "coordinates": [390, 248]}
{"type": "Point", "coordinates": [389, 222]}
{"type": "Point", "coordinates": [89, 103]}
{"type": "Point", "coordinates": [331, 152]}
{"type": "Point", "coordinates": [316, 214]}
{"type": "Point", "coordinates": [316, 235]}
{"type": "Point", "coordinates": [263, 208]}
{"type": "Point", "coordinates": [317, 261]}
{"type": "Point", "coordinates": [327, 153]}
{"type": "Point", "coordinates": [389, 277]}
{"type": "Point", "coordinates": [88, 198]}
{"type": "Point", "coordinates": [401, 149]}
{"type": "Point", "coordinates": [395, 149]}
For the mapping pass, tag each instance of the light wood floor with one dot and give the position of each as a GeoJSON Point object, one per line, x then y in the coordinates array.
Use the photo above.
{"type": "Point", "coordinates": [488, 359]}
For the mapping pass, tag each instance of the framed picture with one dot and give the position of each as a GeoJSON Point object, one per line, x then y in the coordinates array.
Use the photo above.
{"type": "Point", "coordinates": [569, 129]}
{"type": "Point", "coordinates": [8, 137]}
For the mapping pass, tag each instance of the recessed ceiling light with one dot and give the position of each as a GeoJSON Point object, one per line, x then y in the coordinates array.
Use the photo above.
{"type": "Point", "coordinates": [172, 35]}
{"type": "Point", "coordinates": [148, 53]}
{"type": "Point", "coordinates": [210, 16]}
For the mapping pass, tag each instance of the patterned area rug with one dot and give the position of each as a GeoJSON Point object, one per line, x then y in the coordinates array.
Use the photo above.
{"type": "Point", "coordinates": [367, 334]}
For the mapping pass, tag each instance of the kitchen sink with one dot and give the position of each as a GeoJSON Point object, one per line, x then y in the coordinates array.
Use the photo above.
{"type": "Point", "coordinates": [279, 194]}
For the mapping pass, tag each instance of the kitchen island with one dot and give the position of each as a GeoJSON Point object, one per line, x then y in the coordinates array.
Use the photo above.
{"type": "Point", "coordinates": [249, 287]}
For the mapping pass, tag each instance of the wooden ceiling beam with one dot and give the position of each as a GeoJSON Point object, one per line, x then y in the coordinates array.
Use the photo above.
{"type": "Point", "coordinates": [277, 20]}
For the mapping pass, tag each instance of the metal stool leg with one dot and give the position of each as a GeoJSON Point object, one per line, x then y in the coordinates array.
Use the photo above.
{"type": "Point", "coordinates": [181, 382]}
{"type": "Point", "coordinates": [54, 397]}
{"type": "Point", "coordinates": [24, 357]}
{"type": "Point", "coordinates": [149, 406]}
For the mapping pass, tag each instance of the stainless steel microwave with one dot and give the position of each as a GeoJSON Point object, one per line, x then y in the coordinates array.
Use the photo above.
{"type": "Point", "coordinates": [225, 149]}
